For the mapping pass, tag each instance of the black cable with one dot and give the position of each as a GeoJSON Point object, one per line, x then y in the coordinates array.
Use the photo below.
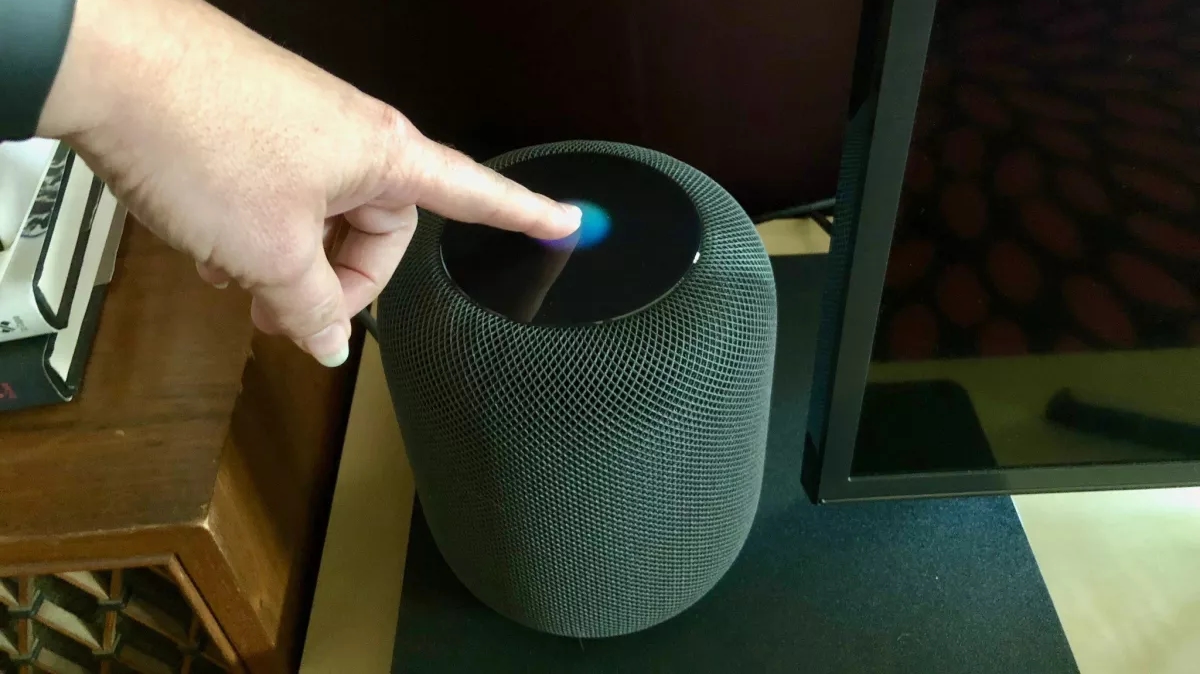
{"type": "Point", "coordinates": [802, 210]}
{"type": "Point", "coordinates": [822, 221]}
{"type": "Point", "coordinates": [368, 321]}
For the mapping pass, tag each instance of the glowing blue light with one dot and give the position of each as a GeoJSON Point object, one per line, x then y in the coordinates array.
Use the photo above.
{"type": "Point", "coordinates": [593, 228]}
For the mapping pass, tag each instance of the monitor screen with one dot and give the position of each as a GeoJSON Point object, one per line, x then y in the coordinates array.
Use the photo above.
{"type": "Point", "coordinates": [1040, 302]}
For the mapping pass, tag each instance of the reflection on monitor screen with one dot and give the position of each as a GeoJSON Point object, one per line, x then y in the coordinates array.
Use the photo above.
{"type": "Point", "coordinates": [1041, 303]}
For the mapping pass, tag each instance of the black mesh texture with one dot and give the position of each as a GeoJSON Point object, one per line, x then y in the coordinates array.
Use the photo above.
{"type": "Point", "coordinates": [594, 480]}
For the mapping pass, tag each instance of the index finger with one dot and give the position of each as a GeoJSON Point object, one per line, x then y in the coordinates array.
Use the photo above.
{"type": "Point", "coordinates": [453, 185]}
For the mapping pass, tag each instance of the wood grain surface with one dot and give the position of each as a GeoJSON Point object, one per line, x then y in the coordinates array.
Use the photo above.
{"type": "Point", "coordinates": [194, 438]}
{"type": "Point", "coordinates": [141, 444]}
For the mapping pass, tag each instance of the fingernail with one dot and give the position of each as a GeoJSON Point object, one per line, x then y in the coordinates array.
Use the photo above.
{"type": "Point", "coordinates": [331, 346]}
{"type": "Point", "coordinates": [571, 218]}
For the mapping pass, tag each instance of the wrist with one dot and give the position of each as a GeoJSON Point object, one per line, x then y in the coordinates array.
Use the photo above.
{"type": "Point", "coordinates": [113, 56]}
{"type": "Point", "coordinates": [73, 104]}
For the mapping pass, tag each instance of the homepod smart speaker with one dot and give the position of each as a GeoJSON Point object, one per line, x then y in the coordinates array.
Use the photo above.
{"type": "Point", "coordinates": [586, 419]}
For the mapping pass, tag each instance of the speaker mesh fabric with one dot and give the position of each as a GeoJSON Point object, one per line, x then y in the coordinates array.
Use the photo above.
{"type": "Point", "coordinates": [590, 480]}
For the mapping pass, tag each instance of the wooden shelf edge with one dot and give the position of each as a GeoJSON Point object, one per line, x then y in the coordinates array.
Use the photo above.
{"type": "Point", "coordinates": [88, 552]}
{"type": "Point", "coordinates": [270, 501]}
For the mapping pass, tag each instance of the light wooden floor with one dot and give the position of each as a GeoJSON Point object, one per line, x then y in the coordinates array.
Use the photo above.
{"type": "Point", "coordinates": [1123, 568]}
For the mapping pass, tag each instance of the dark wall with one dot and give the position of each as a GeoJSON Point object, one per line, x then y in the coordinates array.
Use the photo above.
{"type": "Point", "coordinates": [752, 93]}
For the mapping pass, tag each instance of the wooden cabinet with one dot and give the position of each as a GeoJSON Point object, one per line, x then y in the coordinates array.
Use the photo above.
{"type": "Point", "coordinates": [173, 513]}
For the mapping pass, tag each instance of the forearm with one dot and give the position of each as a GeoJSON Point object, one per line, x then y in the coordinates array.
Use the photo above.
{"type": "Point", "coordinates": [33, 39]}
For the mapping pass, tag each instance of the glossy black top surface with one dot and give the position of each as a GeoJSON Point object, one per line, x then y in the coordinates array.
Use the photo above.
{"type": "Point", "coordinates": [1042, 298]}
{"type": "Point", "coordinates": [640, 235]}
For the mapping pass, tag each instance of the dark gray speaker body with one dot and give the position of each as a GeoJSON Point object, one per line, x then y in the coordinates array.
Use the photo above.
{"type": "Point", "coordinates": [589, 480]}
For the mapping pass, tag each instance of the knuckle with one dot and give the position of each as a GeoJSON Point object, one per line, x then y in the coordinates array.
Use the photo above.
{"type": "Point", "coordinates": [395, 139]}
{"type": "Point", "coordinates": [395, 125]}
{"type": "Point", "coordinates": [324, 311]}
{"type": "Point", "coordinates": [303, 310]}
{"type": "Point", "coordinates": [287, 257]}
{"type": "Point", "coordinates": [394, 128]}
{"type": "Point", "coordinates": [315, 318]}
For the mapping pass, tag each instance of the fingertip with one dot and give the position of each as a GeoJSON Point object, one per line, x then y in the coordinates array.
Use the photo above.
{"type": "Point", "coordinates": [572, 217]}
{"type": "Point", "coordinates": [331, 346]}
{"type": "Point", "coordinates": [336, 359]}
{"type": "Point", "coordinates": [563, 223]}
{"type": "Point", "coordinates": [212, 275]}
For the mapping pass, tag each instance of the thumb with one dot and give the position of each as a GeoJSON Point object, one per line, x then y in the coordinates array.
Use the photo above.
{"type": "Point", "coordinates": [310, 309]}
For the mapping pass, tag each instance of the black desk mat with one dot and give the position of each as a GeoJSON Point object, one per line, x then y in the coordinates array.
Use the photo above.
{"type": "Point", "coordinates": [912, 587]}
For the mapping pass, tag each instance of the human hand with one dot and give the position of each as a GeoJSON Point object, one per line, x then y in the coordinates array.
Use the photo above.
{"type": "Point", "coordinates": [250, 159]}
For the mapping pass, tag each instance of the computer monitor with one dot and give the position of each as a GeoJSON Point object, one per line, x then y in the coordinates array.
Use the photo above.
{"type": "Point", "coordinates": [1013, 303]}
